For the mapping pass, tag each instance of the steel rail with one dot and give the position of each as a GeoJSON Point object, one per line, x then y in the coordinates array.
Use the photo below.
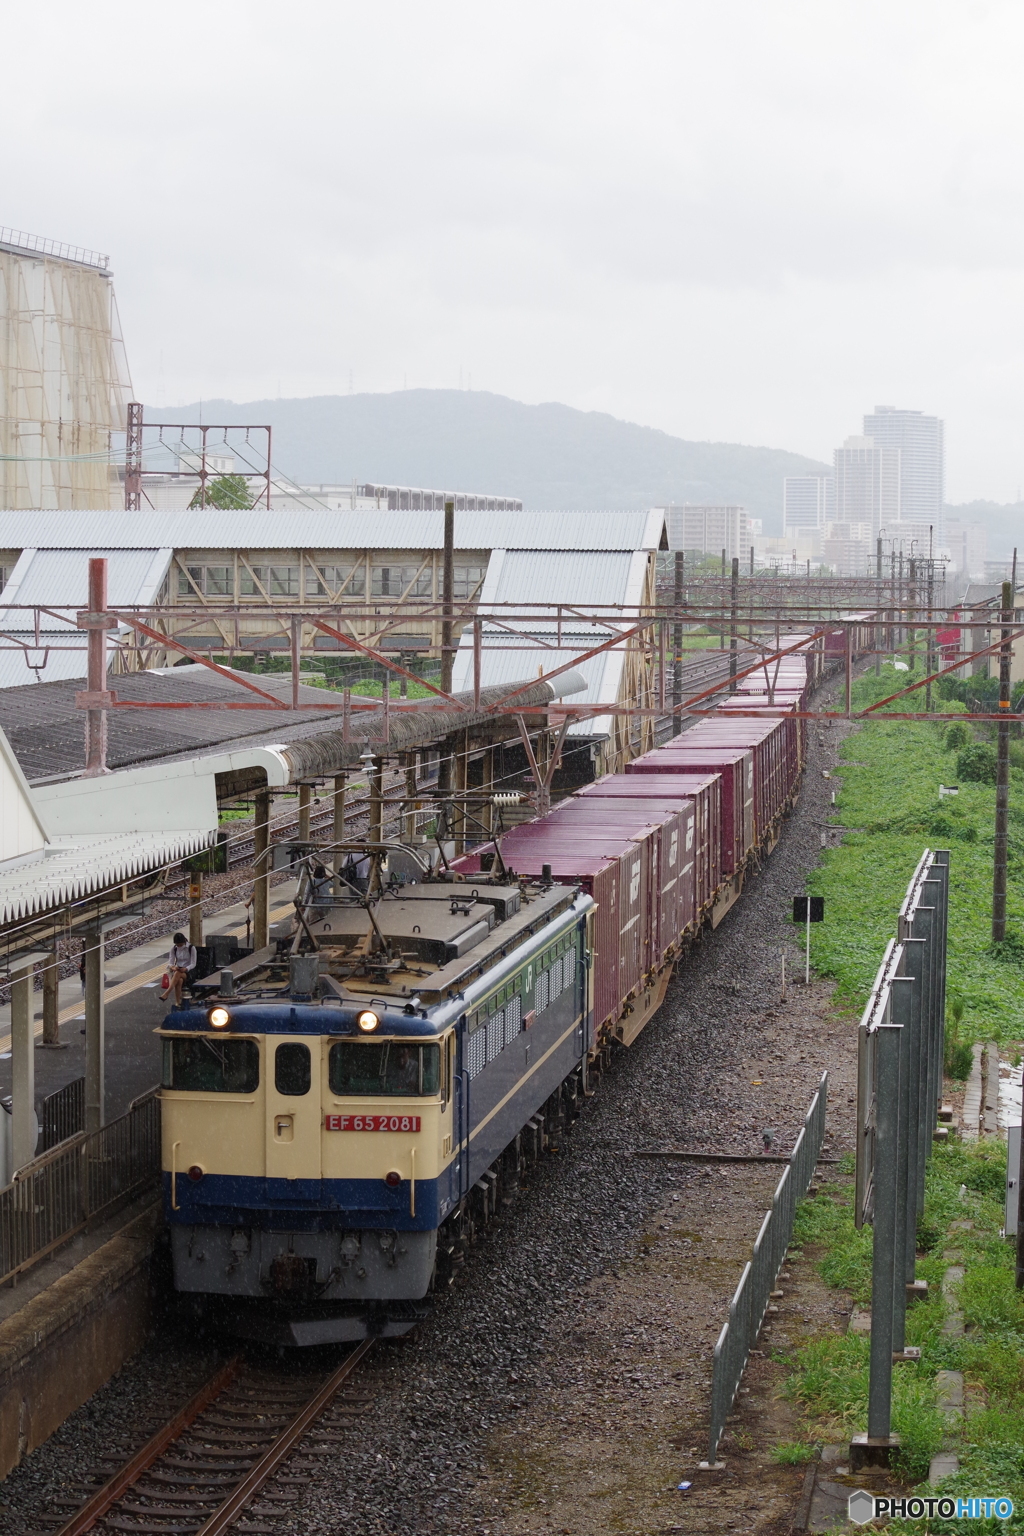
{"type": "Point", "coordinates": [224, 1517]}
{"type": "Point", "coordinates": [121, 1481]}
{"type": "Point", "coordinates": [258, 1475]}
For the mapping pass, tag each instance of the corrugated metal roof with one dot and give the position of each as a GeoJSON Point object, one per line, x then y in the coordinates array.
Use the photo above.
{"type": "Point", "coordinates": [50, 666]}
{"type": "Point", "coordinates": [45, 729]}
{"type": "Point", "coordinates": [72, 867]}
{"type": "Point", "coordinates": [59, 578]}
{"type": "Point", "coordinates": [584, 578]}
{"type": "Point", "coordinates": [211, 528]}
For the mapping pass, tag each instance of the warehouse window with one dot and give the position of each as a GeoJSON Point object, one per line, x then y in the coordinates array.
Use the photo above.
{"type": "Point", "coordinates": [213, 580]}
{"type": "Point", "coordinates": [394, 580]}
{"type": "Point", "coordinates": [326, 580]}
{"type": "Point", "coordinates": [467, 579]}
{"type": "Point", "coordinates": [218, 581]}
{"type": "Point", "coordinates": [276, 581]}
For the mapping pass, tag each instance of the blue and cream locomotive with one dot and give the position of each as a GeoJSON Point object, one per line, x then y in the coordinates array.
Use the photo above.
{"type": "Point", "coordinates": [332, 1103]}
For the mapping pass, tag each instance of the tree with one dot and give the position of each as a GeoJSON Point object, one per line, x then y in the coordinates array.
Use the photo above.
{"type": "Point", "coordinates": [231, 491]}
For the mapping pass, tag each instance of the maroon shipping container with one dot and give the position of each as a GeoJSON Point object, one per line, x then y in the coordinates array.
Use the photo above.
{"type": "Point", "coordinates": [575, 855]}
{"type": "Point", "coordinates": [670, 890]}
{"type": "Point", "coordinates": [699, 863]}
{"type": "Point", "coordinates": [589, 821]}
{"type": "Point", "coordinates": [690, 753]}
{"type": "Point", "coordinates": [780, 731]}
{"type": "Point", "coordinates": [773, 741]}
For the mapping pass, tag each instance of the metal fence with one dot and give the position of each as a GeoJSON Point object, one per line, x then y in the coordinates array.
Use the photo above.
{"type": "Point", "coordinates": [899, 1086]}
{"type": "Point", "coordinates": [750, 1300]}
{"type": "Point", "coordinates": [64, 1190]}
{"type": "Point", "coordinates": [63, 1114]}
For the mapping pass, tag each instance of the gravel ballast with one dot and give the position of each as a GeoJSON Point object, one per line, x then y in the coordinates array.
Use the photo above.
{"type": "Point", "coordinates": [561, 1383]}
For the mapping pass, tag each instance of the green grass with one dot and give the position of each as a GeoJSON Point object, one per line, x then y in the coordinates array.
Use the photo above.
{"type": "Point", "coordinates": [793, 1453]}
{"type": "Point", "coordinates": [889, 798]}
{"type": "Point", "coordinates": [829, 1375]}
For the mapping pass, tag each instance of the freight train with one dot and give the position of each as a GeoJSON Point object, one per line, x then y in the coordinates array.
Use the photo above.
{"type": "Point", "coordinates": [340, 1109]}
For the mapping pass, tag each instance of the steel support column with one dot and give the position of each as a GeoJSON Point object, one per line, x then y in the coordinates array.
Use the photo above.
{"type": "Point", "coordinates": [95, 1033]}
{"type": "Point", "coordinates": [338, 828]}
{"type": "Point", "coordinates": [51, 984]}
{"type": "Point", "coordinates": [261, 867]}
{"type": "Point", "coordinates": [23, 1059]}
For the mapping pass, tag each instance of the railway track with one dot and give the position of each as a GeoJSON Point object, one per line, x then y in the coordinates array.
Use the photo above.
{"type": "Point", "coordinates": [236, 1457]}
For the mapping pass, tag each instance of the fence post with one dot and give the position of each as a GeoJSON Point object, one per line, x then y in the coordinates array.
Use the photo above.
{"type": "Point", "coordinates": [875, 1448]}
{"type": "Point", "coordinates": [902, 1006]}
{"type": "Point", "coordinates": [750, 1299]}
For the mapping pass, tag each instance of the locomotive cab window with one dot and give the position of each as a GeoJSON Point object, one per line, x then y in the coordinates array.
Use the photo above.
{"type": "Point", "coordinates": [201, 1064]}
{"type": "Point", "coordinates": [292, 1068]}
{"type": "Point", "coordinates": [384, 1068]}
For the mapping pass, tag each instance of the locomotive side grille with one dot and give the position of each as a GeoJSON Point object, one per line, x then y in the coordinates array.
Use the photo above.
{"type": "Point", "coordinates": [541, 992]}
{"type": "Point", "coordinates": [495, 1034]}
{"type": "Point", "coordinates": [556, 978]}
{"type": "Point", "coordinates": [476, 1052]}
{"type": "Point", "coordinates": [513, 1019]}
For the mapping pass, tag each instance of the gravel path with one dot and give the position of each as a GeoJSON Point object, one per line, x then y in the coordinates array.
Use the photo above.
{"type": "Point", "coordinates": [572, 1297]}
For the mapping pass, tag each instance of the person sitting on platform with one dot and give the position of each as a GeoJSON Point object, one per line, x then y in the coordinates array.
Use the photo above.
{"type": "Point", "coordinates": [180, 960]}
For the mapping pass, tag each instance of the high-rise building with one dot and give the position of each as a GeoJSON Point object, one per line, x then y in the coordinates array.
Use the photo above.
{"type": "Point", "coordinates": [808, 501]}
{"type": "Point", "coordinates": [867, 479]}
{"type": "Point", "coordinates": [920, 441]}
{"type": "Point", "coordinates": [707, 530]}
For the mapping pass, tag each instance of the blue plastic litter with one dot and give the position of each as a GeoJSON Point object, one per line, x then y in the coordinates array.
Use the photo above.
{"type": "Point", "coordinates": [682, 1487]}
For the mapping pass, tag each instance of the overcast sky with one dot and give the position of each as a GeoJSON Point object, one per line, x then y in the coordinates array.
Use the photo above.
{"type": "Point", "coordinates": [733, 220]}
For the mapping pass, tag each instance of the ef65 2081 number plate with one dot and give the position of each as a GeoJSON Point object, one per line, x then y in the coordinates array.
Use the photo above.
{"type": "Point", "coordinates": [371, 1122]}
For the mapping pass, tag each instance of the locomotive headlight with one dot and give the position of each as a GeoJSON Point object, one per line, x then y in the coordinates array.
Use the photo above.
{"type": "Point", "coordinates": [368, 1021]}
{"type": "Point", "coordinates": [219, 1018]}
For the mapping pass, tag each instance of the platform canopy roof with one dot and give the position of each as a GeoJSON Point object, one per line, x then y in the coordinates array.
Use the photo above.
{"type": "Point", "coordinates": [64, 842]}
{"type": "Point", "coordinates": [601, 592]}
{"type": "Point", "coordinates": [304, 528]}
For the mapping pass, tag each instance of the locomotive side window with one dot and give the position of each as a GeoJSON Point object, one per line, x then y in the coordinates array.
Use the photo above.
{"type": "Point", "coordinates": [383, 1067]}
{"type": "Point", "coordinates": [292, 1068]}
{"type": "Point", "coordinates": [201, 1064]}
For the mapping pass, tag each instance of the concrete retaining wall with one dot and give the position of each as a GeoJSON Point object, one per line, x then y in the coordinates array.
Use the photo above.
{"type": "Point", "coordinates": [65, 1342]}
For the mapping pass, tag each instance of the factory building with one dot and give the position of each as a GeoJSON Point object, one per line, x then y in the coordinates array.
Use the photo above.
{"type": "Point", "coordinates": [63, 375]}
{"type": "Point", "coordinates": [230, 584]}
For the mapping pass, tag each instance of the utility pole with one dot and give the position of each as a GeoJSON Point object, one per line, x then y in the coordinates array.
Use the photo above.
{"type": "Point", "coordinates": [733, 613]}
{"type": "Point", "coordinates": [448, 597]}
{"type": "Point", "coordinates": [931, 633]}
{"type": "Point", "coordinates": [912, 594]}
{"type": "Point", "coordinates": [1002, 772]}
{"type": "Point", "coordinates": [721, 632]}
{"type": "Point", "coordinates": [677, 645]}
{"type": "Point", "coordinates": [444, 769]}
{"type": "Point", "coordinates": [879, 629]}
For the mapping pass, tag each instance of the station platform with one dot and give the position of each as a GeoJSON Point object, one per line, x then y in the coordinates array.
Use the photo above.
{"type": "Point", "coordinates": [72, 1321]}
{"type": "Point", "coordinates": [132, 1010]}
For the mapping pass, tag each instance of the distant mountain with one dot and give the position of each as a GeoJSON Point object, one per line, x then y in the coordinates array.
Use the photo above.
{"type": "Point", "coordinates": [550, 456]}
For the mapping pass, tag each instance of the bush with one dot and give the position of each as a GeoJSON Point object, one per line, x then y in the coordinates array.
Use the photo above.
{"type": "Point", "coordinates": [977, 763]}
{"type": "Point", "coordinates": [957, 737]}
{"type": "Point", "coordinates": [958, 1061]}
